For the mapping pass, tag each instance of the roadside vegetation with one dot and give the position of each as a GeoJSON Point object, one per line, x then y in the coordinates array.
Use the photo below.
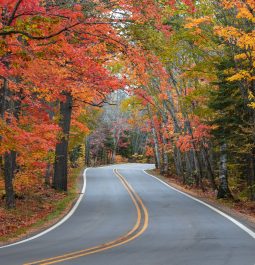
{"type": "Point", "coordinates": [38, 208]}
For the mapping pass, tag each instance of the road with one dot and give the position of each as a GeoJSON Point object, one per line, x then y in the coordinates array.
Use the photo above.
{"type": "Point", "coordinates": [127, 217]}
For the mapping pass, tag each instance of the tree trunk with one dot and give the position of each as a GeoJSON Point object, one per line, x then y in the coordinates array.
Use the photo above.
{"type": "Point", "coordinates": [188, 167]}
{"type": "Point", "coordinates": [114, 155]}
{"type": "Point", "coordinates": [199, 174]}
{"type": "Point", "coordinates": [155, 140]}
{"type": "Point", "coordinates": [156, 148]}
{"type": "Point", "coordinates": [195, 153]}
{"type": "Point", "coordinates": [1, 165]}
{"type": "Point", "coordinates": [165, 141]}
{"type": "Point", "coordinates": [252, 154]}
{"type": "Point", "coordinates": [3, 95]}
{"type": "Point", "coordinates": [209, 169]}
{"type": "Point", "coordinates": [61, 153]}
{"type": "Point", "coordinates": [87, 151]}
{"type": "Point", "coordinates": [48, 175]}
{"type": "Point", "coordinates": [251, 176]}
{"type": "Point", "coordinates": [178, 162]}
{"type": "Point", "coordinates": [165, 156]}
{"type": "Point", "coordinates": [223, 191]}
{"type": "Point", "coordinates": [8, 179]}
{"type": "Point", "coordinates": [9, 157]}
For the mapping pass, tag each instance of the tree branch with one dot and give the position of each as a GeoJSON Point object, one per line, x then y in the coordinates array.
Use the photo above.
{"type": "Point", "coordinates": [14, 12]}
{"type": "Point", "coordinates": [11, 32]}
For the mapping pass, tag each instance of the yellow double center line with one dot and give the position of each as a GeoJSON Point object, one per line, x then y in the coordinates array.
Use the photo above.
{"type": "Point", "coordinates": [139, 227]}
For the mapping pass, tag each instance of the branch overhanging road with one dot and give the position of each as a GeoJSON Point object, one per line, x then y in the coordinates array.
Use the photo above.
{"type": "Point", "coordinates": [127, 217]}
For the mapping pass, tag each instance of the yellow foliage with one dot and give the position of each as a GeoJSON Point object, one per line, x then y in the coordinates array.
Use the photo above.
{"type": "Point", "coordinates": [240, 76]}
{"type": "Point", "coordinates": [252, 100]}
{"type": "Point", "coordinates": [228, 33]}
{"type": "Point", "coordinates": [191, 23]}
{"type": "Point", "coordinates": [241, 56]}
{"type": "Point", "coordinates": [247, 41]}
{"type": "Point", "coordinates": [243, 12]}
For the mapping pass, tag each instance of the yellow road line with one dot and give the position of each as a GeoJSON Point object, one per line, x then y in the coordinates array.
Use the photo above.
{"type": "Point", "coordinates": [138, 221]}
{"type": "Point", "coordinates": [112, 244]}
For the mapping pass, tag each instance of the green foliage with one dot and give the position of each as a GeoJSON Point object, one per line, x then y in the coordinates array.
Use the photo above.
{"type": "Point", "coordinates": [232, 124]}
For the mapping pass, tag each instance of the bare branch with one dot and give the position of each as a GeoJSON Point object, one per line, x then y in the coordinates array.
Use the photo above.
{"type": "Point", "coordinates": [14, 12]}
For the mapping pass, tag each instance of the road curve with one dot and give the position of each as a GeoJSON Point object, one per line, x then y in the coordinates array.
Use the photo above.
{"type": "Point", "coordinates": [127, 217]}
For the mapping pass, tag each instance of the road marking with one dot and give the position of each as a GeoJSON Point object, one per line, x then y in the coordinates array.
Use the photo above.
{"type": "Point", "coordinates": [240, 225]}
{"type": "Point", "coordinates": [138, 229]}
{"type": "Point", "coordinates": [71, 212]}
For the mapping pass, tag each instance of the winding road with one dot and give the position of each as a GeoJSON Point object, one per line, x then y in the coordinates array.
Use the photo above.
{"type": "Point", "coordinates": [128, 217]}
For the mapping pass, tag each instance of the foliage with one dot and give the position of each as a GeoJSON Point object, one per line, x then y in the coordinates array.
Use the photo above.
{"type": "Point", "coordinates": [187, 74]}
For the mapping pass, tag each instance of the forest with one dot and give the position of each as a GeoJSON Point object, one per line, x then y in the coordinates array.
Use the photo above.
{"type": "Point", "coordinates": [95, 82]}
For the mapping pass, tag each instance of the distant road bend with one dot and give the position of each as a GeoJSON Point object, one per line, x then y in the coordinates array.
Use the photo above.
{"type": "Point", "coordinates": [128, 217]}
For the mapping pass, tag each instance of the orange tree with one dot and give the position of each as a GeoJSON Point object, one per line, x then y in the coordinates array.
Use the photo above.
{"type": "Point", "coordinates": [52, 61]}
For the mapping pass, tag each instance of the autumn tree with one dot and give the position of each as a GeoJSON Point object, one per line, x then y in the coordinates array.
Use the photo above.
{"type": "Point", "coordinates": [54, 58]}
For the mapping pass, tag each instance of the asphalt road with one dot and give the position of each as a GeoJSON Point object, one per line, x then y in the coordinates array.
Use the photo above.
{"type": "Point", "coordinates": [127, 217]}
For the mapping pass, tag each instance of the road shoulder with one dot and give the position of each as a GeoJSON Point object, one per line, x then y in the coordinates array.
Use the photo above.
{"type": "Point", "coordinates": [226, 207]}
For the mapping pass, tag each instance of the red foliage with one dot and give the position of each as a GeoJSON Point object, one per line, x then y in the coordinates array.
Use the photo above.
{"type": "Point", "coordinates": [199, 136]}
